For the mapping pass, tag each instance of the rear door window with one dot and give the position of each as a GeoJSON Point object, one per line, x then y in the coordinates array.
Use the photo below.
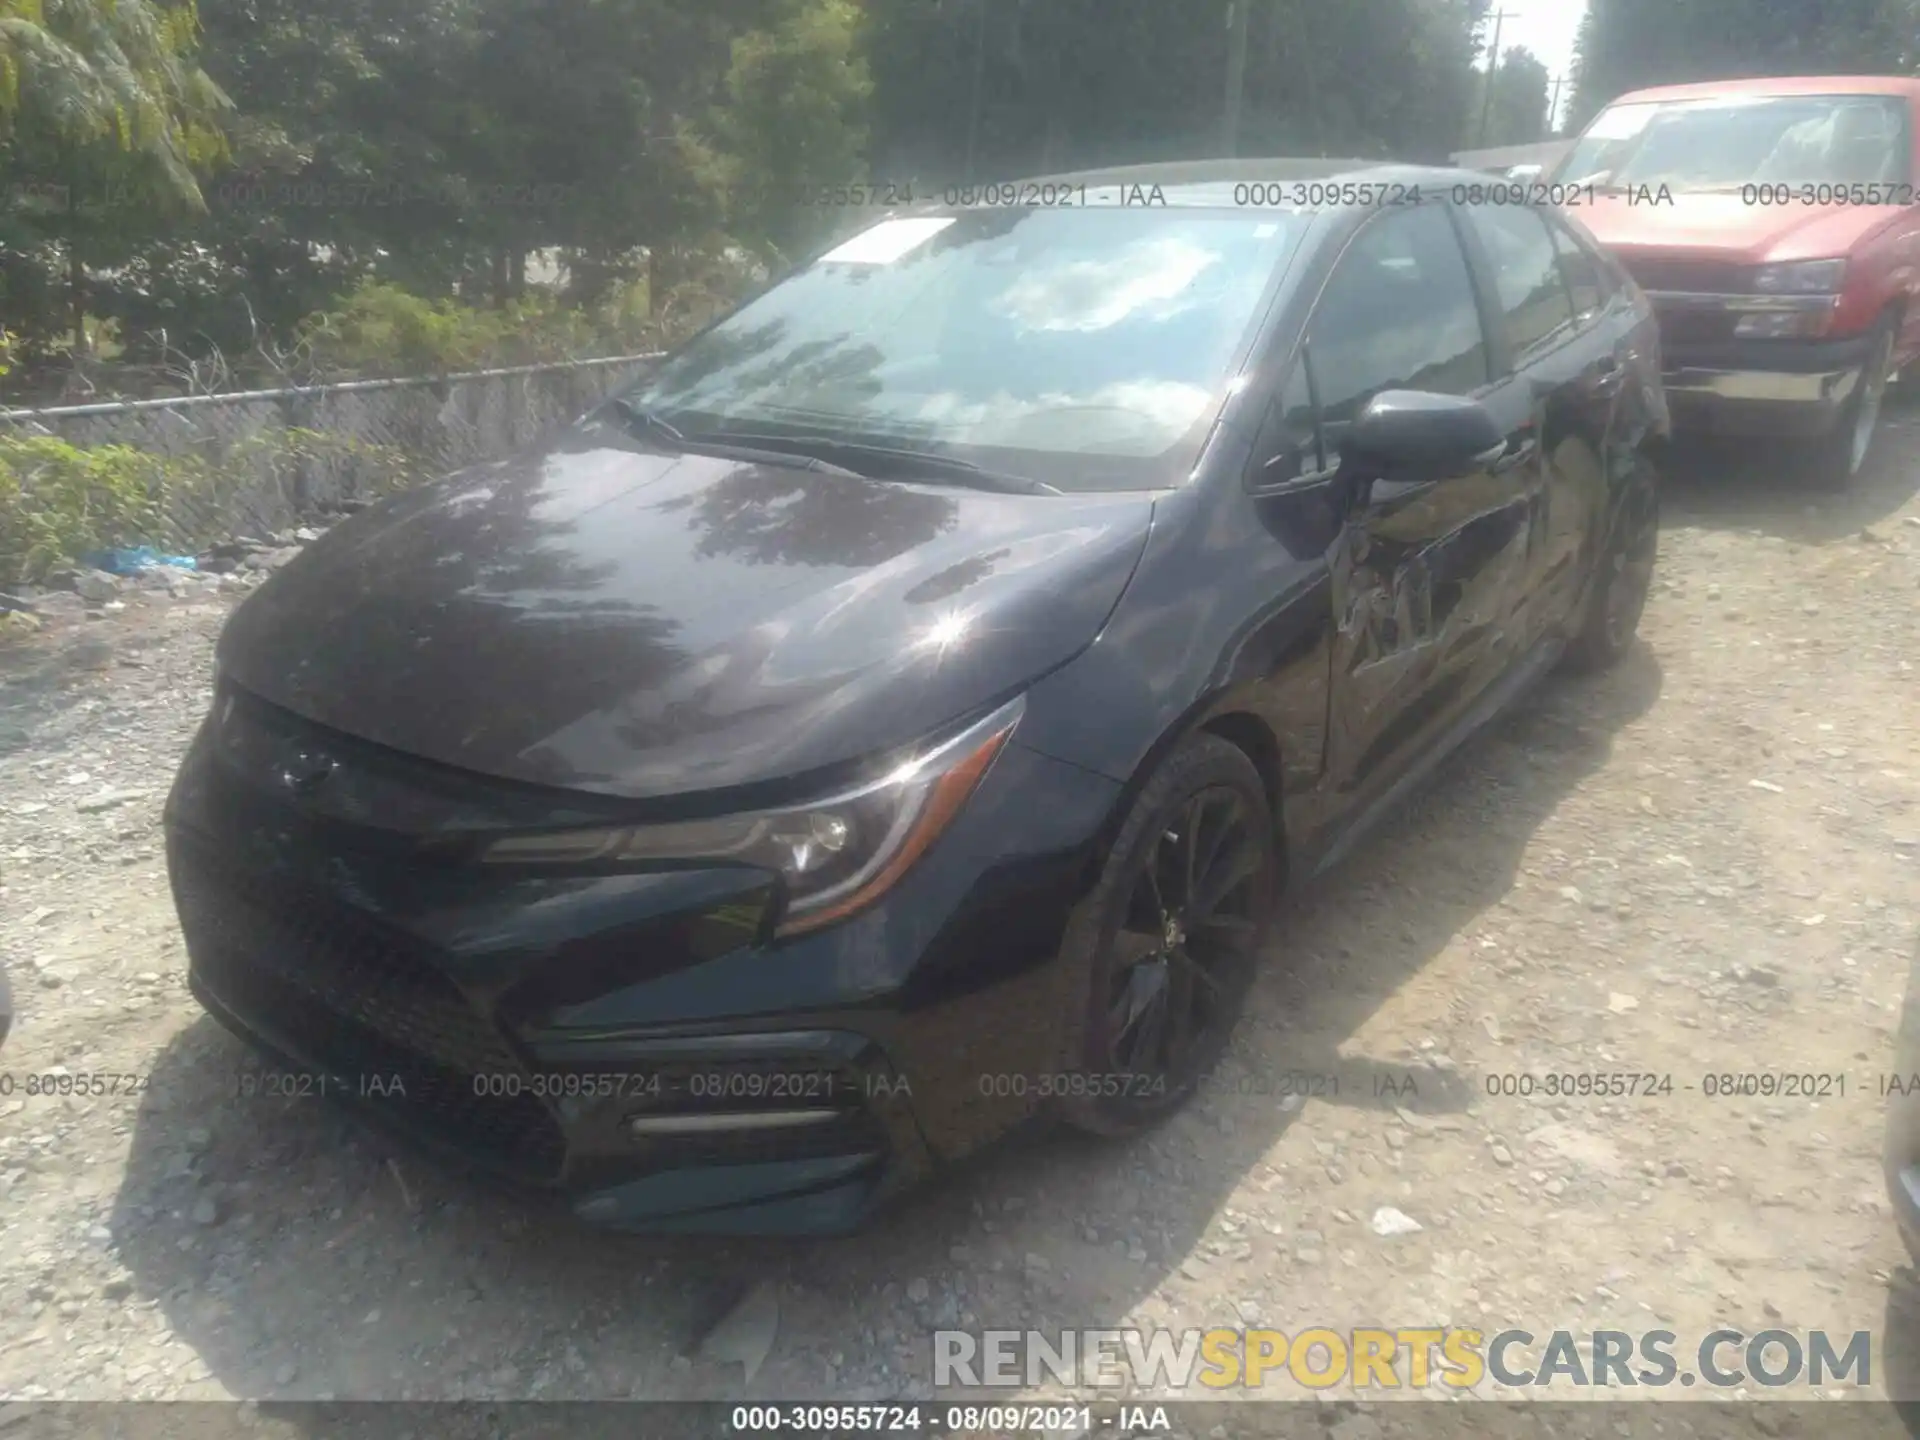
{"type": "Point", "coordinates": [1527, 276]}
{"type": "Point", "coordinates": [1585, 272]}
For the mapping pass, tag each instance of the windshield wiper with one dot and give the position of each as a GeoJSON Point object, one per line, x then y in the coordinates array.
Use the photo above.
{"type": "Point", "coordinates": [914, 463]}
{"type": "Point", "coordinates": [646, 424]}
{"type": "Point", "coordinates": [644, 421]}
{"type": "Point", "coordinates": [807, 448]}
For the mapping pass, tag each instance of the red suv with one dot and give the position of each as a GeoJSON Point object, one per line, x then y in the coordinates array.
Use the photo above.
{"type": "Point", "coordinates": [1774, 224]}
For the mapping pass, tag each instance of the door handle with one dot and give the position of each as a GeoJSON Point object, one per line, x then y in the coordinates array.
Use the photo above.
{"type": "Point", "coordinates": [1608, 376]}
{"type": "Point", "coordinates": [1508, 455]}
{"type": "Point", "coordinates": [1392, 492]}
{"type": "Point", "coordinates": [1313, 480]}
{"type": "Point", "coordinates": [1516, 454]}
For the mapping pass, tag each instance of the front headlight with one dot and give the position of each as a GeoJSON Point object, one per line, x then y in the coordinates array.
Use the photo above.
{"type": "Point", "coordinates": [836, 856]}
{"type": "Point", "coordinates": [1801, 277]}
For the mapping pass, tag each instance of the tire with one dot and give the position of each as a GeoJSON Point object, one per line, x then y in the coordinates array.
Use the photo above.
{"type": "Point", "coordinates": [1618, 597]}
{"type": "Point", "coordinates": [1164, 992]}
{"type": "Point", "coordinates": [1841, 454]}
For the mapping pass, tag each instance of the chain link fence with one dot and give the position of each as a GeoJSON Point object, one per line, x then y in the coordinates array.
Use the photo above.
{"type": "Point", "coordinates": [255, 462]}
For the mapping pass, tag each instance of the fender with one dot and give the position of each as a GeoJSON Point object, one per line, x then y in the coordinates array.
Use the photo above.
{"type": "Point", "coordinates": [1252, 665]}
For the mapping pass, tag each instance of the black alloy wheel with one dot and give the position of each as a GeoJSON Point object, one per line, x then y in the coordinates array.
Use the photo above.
{"type": "Point", "coordinates": [1176, 925]}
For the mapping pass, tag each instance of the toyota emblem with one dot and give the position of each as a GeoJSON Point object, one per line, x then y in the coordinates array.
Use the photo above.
{"type": "Point", "coordinates": [305, 773]}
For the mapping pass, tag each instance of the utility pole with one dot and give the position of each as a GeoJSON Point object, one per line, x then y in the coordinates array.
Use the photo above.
{"type": "Point", "coordinates": [1553, 109]}
{"type": "Point", "coordinates": [979, 69]}
{"type": "Point", "coordinates": [1493, 66]}
{"type": "Point", "coordinates": [1236, 71]}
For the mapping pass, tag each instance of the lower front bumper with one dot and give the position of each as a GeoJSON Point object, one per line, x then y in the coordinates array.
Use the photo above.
{"type": "Point", "coordinates": [1763, 388]}
{"type": "Point", "coordinates": [801, 1194]}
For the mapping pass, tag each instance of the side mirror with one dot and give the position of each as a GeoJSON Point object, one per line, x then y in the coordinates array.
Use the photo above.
{"type": "Point", "coordinates": [1415, 436]}
{"type": "Point", "coordinates": [1524, 173]}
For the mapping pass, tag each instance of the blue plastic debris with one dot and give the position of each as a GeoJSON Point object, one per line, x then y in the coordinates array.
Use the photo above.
{"type": "Point", "coordinates": [132, 560]}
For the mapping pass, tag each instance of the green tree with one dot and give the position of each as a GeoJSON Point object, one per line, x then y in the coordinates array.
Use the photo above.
{"type": "Point", "coordinates": [105, 118]}
{"type": "Point", "coordinates": [451, 147]}
{"type": "Point", "coordinates": [1518, 112]}
{"type": "Point", "coordinates": [792, 119]}
{"type": "Point", "coordinates": [1073, 83]}
{"type": "Point", "coordinates": [120, 71]}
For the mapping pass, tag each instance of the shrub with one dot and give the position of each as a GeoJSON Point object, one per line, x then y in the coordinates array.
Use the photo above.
{"type": "Point", "coordinates": [59, 500]}
{"type": "Point", "coordinates": [382, 329]}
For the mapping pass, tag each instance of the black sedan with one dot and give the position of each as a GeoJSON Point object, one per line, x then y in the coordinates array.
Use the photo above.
{"type": "Point", "coordinates": [898, 716]}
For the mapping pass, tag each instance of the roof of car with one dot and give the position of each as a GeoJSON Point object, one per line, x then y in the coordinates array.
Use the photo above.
{"type": "Point", "coordinates": [1905, 85]}
{"type": "Point", "coordinates": [1211, 182]}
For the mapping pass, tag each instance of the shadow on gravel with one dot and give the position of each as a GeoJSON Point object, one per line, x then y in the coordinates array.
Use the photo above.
{"type": "Point", "coordinates": [1747, 486]}
{"type": "Point", "coordinates": [304, 1257]}
{"type": "Point", "coordinates": [37, 677]}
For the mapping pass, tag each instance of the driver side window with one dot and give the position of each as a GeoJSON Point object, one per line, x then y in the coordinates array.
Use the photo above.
{"type": "Point", "coordinates": [1398, 313]}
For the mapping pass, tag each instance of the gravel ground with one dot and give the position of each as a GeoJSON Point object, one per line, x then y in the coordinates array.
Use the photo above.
{"type": "Point", "coordinates": [1702, 863]}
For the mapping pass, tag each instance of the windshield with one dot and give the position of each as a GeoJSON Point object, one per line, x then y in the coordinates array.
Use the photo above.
{"type": "Point", "coordinates": [1086, 347]}
{"type": "Point", "coordinates": [1725, 144]}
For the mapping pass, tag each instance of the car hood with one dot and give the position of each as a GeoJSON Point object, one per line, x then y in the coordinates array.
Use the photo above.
{"type": "Point", "coordinates": [607, 618]}
{"type": "Point", "coordinates": [1725, 227]}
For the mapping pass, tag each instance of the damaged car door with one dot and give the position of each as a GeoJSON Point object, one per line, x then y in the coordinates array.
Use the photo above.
{"type": "Point", "coordinates": [1426, 577]}
{"type": "Point", "coordinates": [1563, 358]}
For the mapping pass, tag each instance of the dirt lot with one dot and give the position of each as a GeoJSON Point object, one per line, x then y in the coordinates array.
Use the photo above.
{"type": "Point", "coordinates": [1704, 863]}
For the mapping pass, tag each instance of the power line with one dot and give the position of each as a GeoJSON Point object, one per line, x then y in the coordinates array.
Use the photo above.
{"type": "Point", "coordinates": [1493, 66]}
{"type": "Point", "coordinates": [1236, 72]}
{"type": "Point", "coordinates": [979, 70]}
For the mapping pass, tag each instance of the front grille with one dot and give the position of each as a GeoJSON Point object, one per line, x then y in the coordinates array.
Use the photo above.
{"type": "Point", "coordinates": [1700, 277]}
{"type": "Point", "coordinates": [356, 1000]}
{"type": "Point", "coordinates": [1681, 327]}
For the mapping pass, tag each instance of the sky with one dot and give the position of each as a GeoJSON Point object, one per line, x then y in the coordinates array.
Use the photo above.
{"type": "Point", "coordinates": [1546, 27]}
